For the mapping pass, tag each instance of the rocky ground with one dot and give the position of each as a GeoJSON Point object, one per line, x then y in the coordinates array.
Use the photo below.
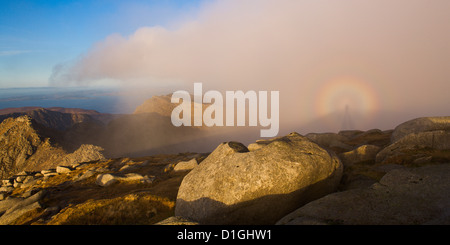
{"type": "Point", "coordinates": [113, 191]}
{"type": "Point", "coordinates": [399, 176]}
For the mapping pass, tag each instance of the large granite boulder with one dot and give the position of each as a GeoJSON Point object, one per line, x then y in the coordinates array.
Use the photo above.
{"type": "Point", "coordinates": [235, 186]}
{"type": "Point", "coordinates": [422, 124]}
{"type": "Point", "coordinates": [416, 143]}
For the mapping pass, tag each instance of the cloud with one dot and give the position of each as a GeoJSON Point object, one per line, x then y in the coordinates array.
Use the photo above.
{"type": "Point", "coordinates": [296, 47]}
{"type": "Point", "coordinates": [14, 52]}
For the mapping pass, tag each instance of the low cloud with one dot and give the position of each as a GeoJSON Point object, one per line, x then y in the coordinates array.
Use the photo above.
{"type": "Point", "coordinates": [399, 50]}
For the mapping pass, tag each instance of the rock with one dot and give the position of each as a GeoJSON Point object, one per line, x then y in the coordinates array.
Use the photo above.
{"type": "Point", "coordinates": [106, 180]}
{"type": "Point", "coordinates": [30, 182]}
{"type": "Point", "coordinates": [350, 133]}
{"type": "Point", "coordinates": [186, 165]}
{"type": "Point", "coordinates": [422, 124]}
{"type": "Point", "coordinates": [6, 189]}
{"type": "Point", "coordinates": [438, 140]}
{"type": "Point", "coordinates": [19, 140]}
{"type": "Point", "coordinates": [85, 153]}
{"type": "Point", "coordinates": [16, 184]}
{"type": "Point", "coordinates": [371, 137]}
{"type": "Point", "coordinates": [47, 171]}
{"type": "Point", "coordinates": [402, 197]}
{"type": "Point", "coordinates": [20, 207]}
{"type": "Point", "coordinates": [330, 140]}
{"type": "Point", "coordinates": [176, 220]}
{"type": "Point", "coordinates": [26, 144]}
{"type": "Point", "coordinates": [9, 218]}
{"type": "Point", "coordinates": [23, 173]}
{"type": "Point", "coordinates": [109, 179]}
{"type": "Point", "coordinates": [30, 193]}
{"type": "Point", "coordinates": [38, 175]}
{"type": "Point", "coordinates": [63, 169]}
{"type": "Point", "coordinates": [50, 174]}
{"type": "Point", "coordinates": [169, 167]}
{"type": "Point", "coordinates": [254, 146]}
{"type": "Point", "coordinates": [388, 167]}
{"type": "Point", "coordinates": [356, 182]}
{"type": "Point", "coordinates": [136, 177]}
{"type": "Point", "coordinates": [235, 186]}
{"type": "Point", "coordinates": [85, 175]}
{"type": "Point", "coordinates": [20, 178]}
{"type": "Point", "coordinates": [8, 203]}
{"type": "Point", "coordinates": [364, 153]}
{"type": "Point", "coordinates": [260, 144]}
{"type": "Point", "coordinates": [422, 160]}
{"type": "Point", "coordinates": [130, 168]}
{"type": "Point", "coordinates": [6, 182]}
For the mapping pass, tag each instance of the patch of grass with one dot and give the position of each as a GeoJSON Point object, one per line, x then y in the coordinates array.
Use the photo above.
{"type": "Point", "coordinates": [132, 209]}
{"type": "Point", "coordinates": [29, 217]}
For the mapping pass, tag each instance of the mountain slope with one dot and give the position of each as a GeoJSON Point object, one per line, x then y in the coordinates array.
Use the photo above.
{"type": "Point", "coordinates": [28, 145]}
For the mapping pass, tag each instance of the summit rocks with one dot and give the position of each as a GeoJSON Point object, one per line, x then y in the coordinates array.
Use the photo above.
{"type": "Point", "coordinates": [402, 197]}
{"type": "Point", "coordinates": [351, 177]}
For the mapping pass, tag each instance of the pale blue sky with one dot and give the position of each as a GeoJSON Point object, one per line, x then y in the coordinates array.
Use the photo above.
{"type": "Point", "coordinates": [37, 35]}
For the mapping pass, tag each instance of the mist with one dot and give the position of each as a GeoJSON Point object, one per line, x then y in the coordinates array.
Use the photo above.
{"type": "Point", "coordinates": [379, 63]}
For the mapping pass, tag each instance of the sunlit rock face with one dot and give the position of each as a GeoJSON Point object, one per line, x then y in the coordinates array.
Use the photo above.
{"type": "Point", "coordinates": [235, 186]}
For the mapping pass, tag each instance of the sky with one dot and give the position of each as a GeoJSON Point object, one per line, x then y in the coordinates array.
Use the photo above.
{"type": "Point", "coordinates": [373, 63]}
{"type": "Point", "coordinates": [37, 35]}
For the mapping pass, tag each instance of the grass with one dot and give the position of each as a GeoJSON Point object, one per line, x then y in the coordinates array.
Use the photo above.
{"type": "Point", "coordinates": [131, 209]}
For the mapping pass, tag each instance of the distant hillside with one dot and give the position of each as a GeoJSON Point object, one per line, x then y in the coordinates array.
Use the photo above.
{"type": "Point", "coordinates": [58, 109]}
{"type": "Point", "coordinates": [57, 117]}
{"type": "Point", "coordinates": [163, 106]}
{"type": "Point", "coordinates": [157, 104]}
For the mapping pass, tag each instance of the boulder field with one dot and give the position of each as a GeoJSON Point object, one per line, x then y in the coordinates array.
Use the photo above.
{"type": "Point", "coordinates": [398, 176]}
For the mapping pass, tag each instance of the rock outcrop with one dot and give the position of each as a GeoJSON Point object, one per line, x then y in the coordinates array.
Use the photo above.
{"type": "Point", "coordinates": [364, 153]}
{"type": "Point", "coordinates": [352, 177]}
{"type": "Point", "coordinates": [109, 179]}
{"type": "Point", "coordinates": [186, 165]}
{"type": "Point", "coordinates": [422, 124]}
{"type": "Point", "coordinates": [235, 186]}
{"type": "Point", "coordinates": [415, 143]}
{"type": "Point", "coordinates": [27, 145]}
{"type": "Point", "coordinates": [21, 206]}
{"type": "Point", "coordinates": [418, 139]}
{"type": "Point", "coordinates": [402, 197]}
